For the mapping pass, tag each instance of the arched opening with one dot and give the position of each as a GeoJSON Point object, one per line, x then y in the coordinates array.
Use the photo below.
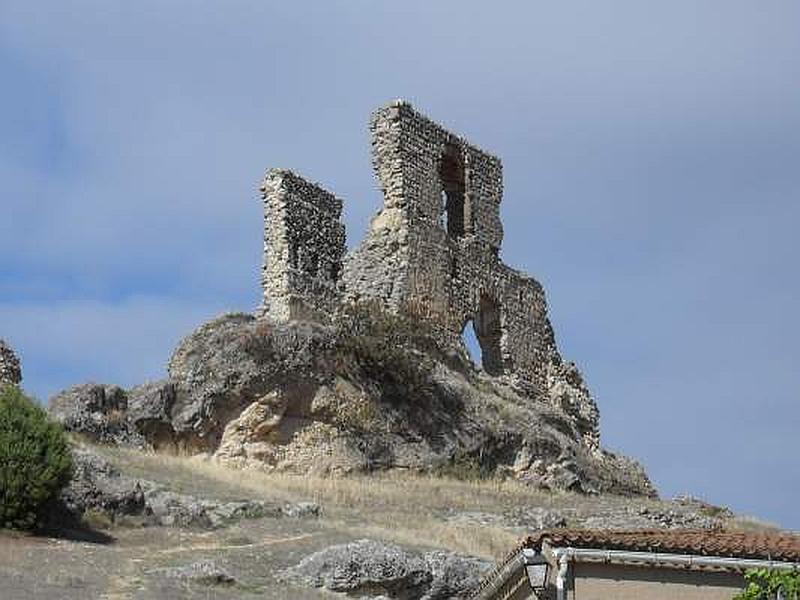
{"type": "Point", "coordinates": [452, 178]}
{"type": "Point", "coordinates": [481, 337]}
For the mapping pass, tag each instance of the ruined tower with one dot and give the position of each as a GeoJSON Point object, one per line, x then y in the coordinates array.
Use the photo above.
{"type": "Point", "coordinates": [304, 242]}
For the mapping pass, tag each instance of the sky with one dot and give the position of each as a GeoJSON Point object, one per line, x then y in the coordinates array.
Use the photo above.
{"type": "Point", "coordinates": [651, 158]}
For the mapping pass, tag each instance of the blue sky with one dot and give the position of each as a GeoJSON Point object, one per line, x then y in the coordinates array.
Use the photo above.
{"type": "Point", "coordinates": [651, 183]}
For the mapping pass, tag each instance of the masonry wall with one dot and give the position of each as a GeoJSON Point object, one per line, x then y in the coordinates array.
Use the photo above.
{"type": "Point", "coordinates": [304, 244]}
{"type": "Point", "coordinates": [415, 257]}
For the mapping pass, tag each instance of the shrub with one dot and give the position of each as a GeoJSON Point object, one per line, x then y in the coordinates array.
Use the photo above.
{"type": "Point", "coordinates": [35, 460]}
{"type": "Point", "coordinates": [393, 349]}
{"type": "Point", "coordinates": [765, 584]}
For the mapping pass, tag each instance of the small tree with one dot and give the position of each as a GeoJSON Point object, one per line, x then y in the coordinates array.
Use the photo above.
{"type": "Point", "coordinates": [35, 460]}
{"type": "Point", "coordinates": [766, 584]}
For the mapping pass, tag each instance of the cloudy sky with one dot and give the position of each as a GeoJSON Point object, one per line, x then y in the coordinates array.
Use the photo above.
{"type": "Point", "coordinates": [651, 154]}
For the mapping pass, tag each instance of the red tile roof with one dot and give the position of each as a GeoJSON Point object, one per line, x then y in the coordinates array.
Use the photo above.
{"type": "Point", "coordinates": [766, 546]}
{"type": "Point", "coordinates": [782, 547]}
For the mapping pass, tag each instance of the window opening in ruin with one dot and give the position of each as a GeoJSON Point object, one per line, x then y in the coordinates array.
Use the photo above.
{"type": "Point", "coordinates": [452, 179]}
{"type": "Point", "coordinates": [471, 342]}
{"type": "Point", "coordinates": [481, 337]}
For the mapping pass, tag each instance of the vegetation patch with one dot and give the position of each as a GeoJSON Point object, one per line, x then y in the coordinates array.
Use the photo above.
{"type": "Point", "coordinates": [392, 349]}
{"type": "Point", "coordinates": [764, 584]}
{"type": "Point", "coordinates": [35, 460]}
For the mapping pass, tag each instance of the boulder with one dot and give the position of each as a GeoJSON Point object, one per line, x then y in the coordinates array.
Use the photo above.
{"type": "Point", "coordinates": [230, 363]}
{"type": "Point", "coordinates": [96, 485]}
{"type": "Point", "coordinates": [372, 568]}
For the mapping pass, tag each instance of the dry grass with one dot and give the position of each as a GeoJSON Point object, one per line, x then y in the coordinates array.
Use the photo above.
{"type": "Point", "coordinates": [403, 507]}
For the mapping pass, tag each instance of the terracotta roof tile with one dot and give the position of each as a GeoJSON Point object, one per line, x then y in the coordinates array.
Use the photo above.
{"type": "Point", "coordinates": [767, 546]}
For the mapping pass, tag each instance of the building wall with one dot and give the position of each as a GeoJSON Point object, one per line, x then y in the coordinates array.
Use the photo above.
{"type": "Point", "coordinates": [601, 582]}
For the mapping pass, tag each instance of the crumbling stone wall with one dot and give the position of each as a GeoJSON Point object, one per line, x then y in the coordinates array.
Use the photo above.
{"type": "Point", "coordinates": [10, 371]}
{"type": "Point", "coordinates": [435, 245]}
{"type": "Point", "coordinates": [433, 249]}
{"type": "Point", "coordinates": [304, 243]}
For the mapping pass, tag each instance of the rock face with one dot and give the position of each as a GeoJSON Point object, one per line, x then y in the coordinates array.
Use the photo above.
{"type": "Point", "coordinates": [368, 392]}
{"type": "Point", "coordinates": [10, 371]}
{"type": "Point", "coordinates": [376, 569]}
{"type": "Point", "coordinates": [97, 411]}
{"type": "Point", "coordinates": [97, 486]}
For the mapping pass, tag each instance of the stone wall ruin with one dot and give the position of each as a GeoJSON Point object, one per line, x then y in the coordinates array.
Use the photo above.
{"type": "Point", "coordinates": [433, 249]}
{"type": "Point", "coordinates": [304, 243]}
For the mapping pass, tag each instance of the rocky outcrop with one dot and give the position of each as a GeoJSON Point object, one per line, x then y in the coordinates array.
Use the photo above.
{"type": "Point", "coordinates": [10, 371]}
{"type": "Point", "coordinates": [359, 395]}
{"type": "Point", "coordinates": [377, 569]}
{"type": "Point", "coordinates": [98, 487]}
{"type": "Point", "coordinates": [97, 411]}
{"type": "Point", "coordinates": [181, 510]}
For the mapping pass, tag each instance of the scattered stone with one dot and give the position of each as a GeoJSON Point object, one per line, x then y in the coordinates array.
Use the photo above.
{"type": "Point", "coordinates": [302, 510]}
{"type": "Point", "coordinates": [700, 505]}
{"type": "Point", "coordinates": [181, 510]}
{"type": "Point", "coordinates": [368, 567]}
{"type": "Point", "coordinates": [522, 521]}
{"type": "Point", "coordinates": [205, 572]}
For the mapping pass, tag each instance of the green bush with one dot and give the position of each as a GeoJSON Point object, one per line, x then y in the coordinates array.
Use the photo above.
{"type": "Point", "coordinates": [35, 460]}
{"type": "Point", "coordinates": [766, 584]}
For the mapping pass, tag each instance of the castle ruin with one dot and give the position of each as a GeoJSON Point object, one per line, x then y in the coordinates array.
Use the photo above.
{"type": "Point", "coordinates": [433, 249]}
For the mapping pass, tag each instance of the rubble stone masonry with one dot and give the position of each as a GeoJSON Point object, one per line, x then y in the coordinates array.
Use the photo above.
{"type": "Point", "coordinates": [304, 243]}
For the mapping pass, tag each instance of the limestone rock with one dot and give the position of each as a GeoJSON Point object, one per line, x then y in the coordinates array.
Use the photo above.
{"type": "Point", "coordinates": [348, 397]}
{"type": "Point", "coordinates": [97, 485]}
{"type": "Point", "coordinates": [10, 371]}
{"type": "Point", "coordinates": [373, 568]}
{"type": "Point", "coordinates": [149, 412]}
{"type": "Point", "coordinates": [205, 572]}
{"type": "Point", "coordinates": [95, 410]}
{"type": "Point", "coordinates": [231, 362]}
{"type": "Point", "coordinates": [182, 510]}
